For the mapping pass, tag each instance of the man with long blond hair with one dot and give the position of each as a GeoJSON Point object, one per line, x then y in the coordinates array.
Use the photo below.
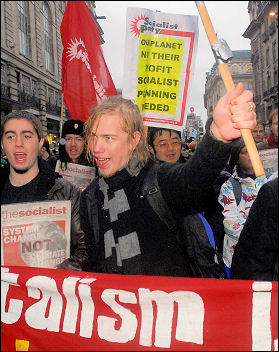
{"type": "Point", "coordinates": [123, 233]}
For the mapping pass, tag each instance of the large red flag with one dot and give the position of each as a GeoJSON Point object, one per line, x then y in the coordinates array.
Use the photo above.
{"type": "Point", "coordinates": [86, 80]}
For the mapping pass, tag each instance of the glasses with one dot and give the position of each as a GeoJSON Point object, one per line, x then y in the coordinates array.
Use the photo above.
{"type": "Point", "coordinates": [165, 145]}
{"type": "Point", "coordinates": [77, 139]}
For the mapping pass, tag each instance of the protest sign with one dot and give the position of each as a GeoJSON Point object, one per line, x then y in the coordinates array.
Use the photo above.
{"type": "Point", "coordinates": [35, 234]}
{"type": "Point", "coordinates": [79, 175]}
{"type": "Point", "coordinates": [159, 61]}
{"type": "Point", "coordinates": [62, 310]}
{"type": "Point", "coordinates": [269, 158]}
{"type": "Point", "coordinates": [193, 132]}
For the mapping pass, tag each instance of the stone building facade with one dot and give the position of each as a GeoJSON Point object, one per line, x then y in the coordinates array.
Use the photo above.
{"type": "Point", "coordinates": [263, 33]}
{"type": "Point", "coordinates": [31, 60]}
{"type": "Point", "coordinates": [241, 70]}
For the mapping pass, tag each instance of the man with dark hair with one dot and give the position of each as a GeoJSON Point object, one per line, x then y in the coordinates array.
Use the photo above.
{"type": "Point", "coordinates": [46, 154]}
{"type": "Point", "coordinates": [165, 144]}
{"type": "Point", "coordinates": [258, 132]}
{"type": "Point", "coordinates": [28, 178]}
{"type": "Point", "coordinates": [185, 151]}
{"type": "Point", "coordinates": [72, 144]}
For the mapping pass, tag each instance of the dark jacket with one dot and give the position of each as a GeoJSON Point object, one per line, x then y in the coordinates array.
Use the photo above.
{"type": "Point", "coordinates": [256, 253]}
{"type": "Point", "coordinates": [184, 187]}
{"type": "Point", "coordinates": [53, 187]}
{"type": "Point", "coordinates": [51, 160]}
{"type": "Point", "coordinates": [213, 211]}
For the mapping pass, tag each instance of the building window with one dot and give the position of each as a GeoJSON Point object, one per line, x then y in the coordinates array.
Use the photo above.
{"type": "Point", "coordinates": [267, 57]}
{"type": "Point", "coordinates": [268, 81]}
{"type": "Point", "coordinates": [24, 28]}
{"type": "Point", "coordinates": [26, 84]}
{"type": "Point", "coordinates": [3, 76]}
{"type": "Point", "coordinates": [51, 95]}
{"type": "Point", "coordinates": [274, 51]}
{"type": "Point", "coordinates": [55, 97]}
{"type": "Point", "coordinates": [49, 61]}
{"type": "Point", "coordinates": [34, 87]}
{"type": "Point", "coordinates": [18, 80]}
{"type": "Point", "coordinates": [266, 25]}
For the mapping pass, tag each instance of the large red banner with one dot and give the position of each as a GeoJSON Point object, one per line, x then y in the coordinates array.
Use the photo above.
{"type": "Point", "coordinates": [52, 309]}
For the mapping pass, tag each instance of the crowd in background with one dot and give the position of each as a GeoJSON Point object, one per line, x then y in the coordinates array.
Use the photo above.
{"type": "Point", "coordinates": [245, 227]}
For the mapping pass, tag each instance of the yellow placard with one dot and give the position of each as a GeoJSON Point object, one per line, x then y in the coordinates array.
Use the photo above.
{"type": "Point", "coordinates": [159, 70]}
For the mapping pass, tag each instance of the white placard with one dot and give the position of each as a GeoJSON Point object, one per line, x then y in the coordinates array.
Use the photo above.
{"type": "Point", "coordinates": [159, 62]}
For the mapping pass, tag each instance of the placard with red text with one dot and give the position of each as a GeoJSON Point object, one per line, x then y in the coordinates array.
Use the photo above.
{"type": "Point", "coordinates": [35, 233]}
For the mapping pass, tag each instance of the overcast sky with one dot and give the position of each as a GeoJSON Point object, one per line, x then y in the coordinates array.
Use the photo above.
{"type": "Point", "coordinates": [230, 19]}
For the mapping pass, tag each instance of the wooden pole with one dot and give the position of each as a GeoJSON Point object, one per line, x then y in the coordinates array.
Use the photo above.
{"type": "Point", "coordinates": [61, 125]}
{"type": "Point", "coordinates": [229, 84]}
{"type": "Point", "coordinates": [145, 129]}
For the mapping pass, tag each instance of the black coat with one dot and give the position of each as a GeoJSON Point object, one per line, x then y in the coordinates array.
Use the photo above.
{"type": "Point", "coordinates": [184, 187]}
{"type": "Point", "coordinates": [51, 186]}
{"type": "Point", "coordinates": [256, 253]}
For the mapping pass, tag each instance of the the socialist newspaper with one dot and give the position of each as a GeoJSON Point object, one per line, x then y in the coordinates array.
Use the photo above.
{"type": "Point", "coordinates": [79, 175]}
{"type": "Point", "coordinates": [35, 234]}
{"type": "Point", "coordinates": [269, 159]}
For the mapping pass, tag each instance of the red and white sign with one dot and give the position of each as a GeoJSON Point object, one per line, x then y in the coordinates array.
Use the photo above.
{"type": "Point", "coordinates": [269, 159]}
{"type": "Point", "coordinates": [191, 109]}
{"type": "Point", "coordinates": [79, 175]}
{"type": "Point", "coordinates": [61, 310]}
{"type": "Point", "coordinates": [36, 233]}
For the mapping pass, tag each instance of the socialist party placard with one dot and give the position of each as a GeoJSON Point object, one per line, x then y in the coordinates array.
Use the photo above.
{"type": "Point", "coordinates": [160, 52]}
{"type": "Point", "coordinates": [35, 234]}
{"type": "Point", "coordinates": [79, 175]}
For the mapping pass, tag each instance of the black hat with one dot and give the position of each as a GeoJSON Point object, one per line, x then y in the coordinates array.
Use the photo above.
{"type": "Point", "coordinates": [72, 127]}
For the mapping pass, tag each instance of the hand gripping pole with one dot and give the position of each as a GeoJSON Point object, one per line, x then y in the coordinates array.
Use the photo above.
{"type": "Point", "coordinates": [222, 54]}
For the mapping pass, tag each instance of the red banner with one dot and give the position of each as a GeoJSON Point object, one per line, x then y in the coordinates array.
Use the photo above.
{"type": "Point", "coordinates": [86, 80]}
{"type": "Point", "coordinates": [51, 309]}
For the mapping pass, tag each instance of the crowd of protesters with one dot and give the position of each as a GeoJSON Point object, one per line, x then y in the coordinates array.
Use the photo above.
{"type": "Point", "coordinates": [113, 229]}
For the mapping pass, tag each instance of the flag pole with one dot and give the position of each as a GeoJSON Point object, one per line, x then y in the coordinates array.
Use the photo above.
{"type": "Point", "coordinates": [61, 125]}
{"type": "Point", "coordinates": [145, 129]}
{"type": "Point", "coordinates": [222, 54]}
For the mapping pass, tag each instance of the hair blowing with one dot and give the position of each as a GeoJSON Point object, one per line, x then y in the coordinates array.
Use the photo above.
{"type": "Point", "coordinates": [131, 123]}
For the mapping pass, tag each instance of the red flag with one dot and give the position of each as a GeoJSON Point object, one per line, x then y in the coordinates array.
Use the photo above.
{"type": "Point", "coordinates": [86, 80]}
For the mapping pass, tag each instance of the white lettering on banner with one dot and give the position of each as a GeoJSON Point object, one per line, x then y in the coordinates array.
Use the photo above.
{"type": "Point", "coordinates": [106, 325]}
{"type": "Point", "coordinates": [153, 311]}
{"type": "Point", "coordinates": [35, 315]}
{"type": "Point", "coordinates": [72, 304]}
{"type": "Point", "coordinates": [190, 317]}
{"type": "Point", "coordinates": [261, 325]}
{"type": "Point", "coordinates": [87, 312]}
{"type": "Point", "coordinates": [15, 305]}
